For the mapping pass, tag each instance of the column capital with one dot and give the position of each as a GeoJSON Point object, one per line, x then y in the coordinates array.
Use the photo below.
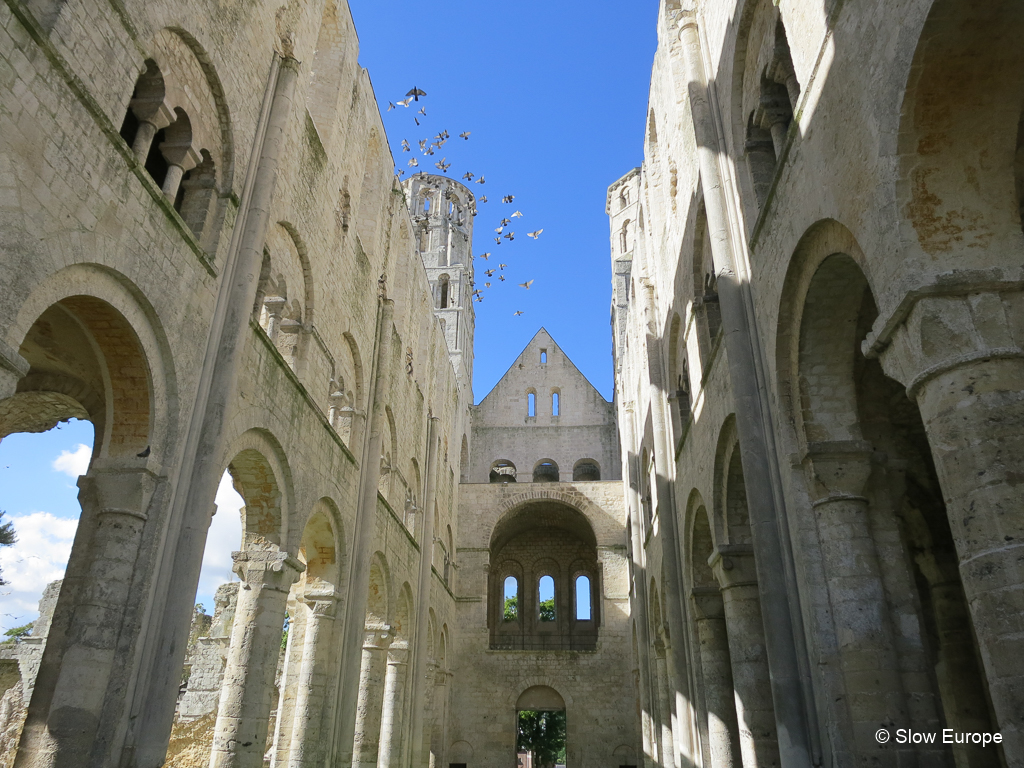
{"type": "Point", "coordinates": [708, 602]}
{"type": "Point", "coordinates": [377, 637]}
{"type": "Point", "coordinates": [961, 318]}
{"type": "Point", "coordinates": [266, 567]}
{"type": "Point", "coordinates": [838, 469]}
{"type": "Point", "coordinates": [733, 565]}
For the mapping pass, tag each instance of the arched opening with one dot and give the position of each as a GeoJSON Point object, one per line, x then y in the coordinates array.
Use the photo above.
{"type": "Point", "coordinates": [326, 73]}
{"type": "Point", "coordinates": [542, 546]}
{"type": "Point", "coordinates": [540, 728]}
{"type": "Point", "coordinates": [880, 514]}
{"type": "Point", "coordinates": [586, 471]}
{"type": "Point", "coordinates": [531, 404]}
{"type": "Point", "coordinates": [545, 471]}
{"type": "Point", "coordinates": [706, 309]}
{"type": "Point", "coordinates": [442, 290]}
{"type": "Point", "coordinates": [502, 471]}
{"type": "Point", "coordinates": [510, 607]}
{"type": "Point", "coordinates": [556, 405]}
{"type": "Point", "coordinates": [583, 611]}
{"type": "Point", "coordinates": [84, 360]}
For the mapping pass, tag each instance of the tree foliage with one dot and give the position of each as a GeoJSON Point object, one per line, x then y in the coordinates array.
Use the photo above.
{"type": "Point", "coordinates": [7, 536]}
{"type": "Point", "coordinates": [511, 611]}
{"type": "Point", "coordinates": [542, 733]}
{"type": "Point", "coordinates": [547, 609]}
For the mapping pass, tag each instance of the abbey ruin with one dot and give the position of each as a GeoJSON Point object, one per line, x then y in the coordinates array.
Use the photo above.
{"type": "Point", "coordinates": [795, 533]}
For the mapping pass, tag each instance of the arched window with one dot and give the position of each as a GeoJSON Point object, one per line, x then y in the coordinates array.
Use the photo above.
{"type": "Point", "coordinates": [624, 237]}
{"type": "Point", "coordinates": [510, 608]}
{"type": "Point", "coordinates": [543, 356]}
{"type": "Point", "coordinates": [531, 404]}
{"type": "Point", "coordinates": [546, 598]}
{"type": "Point", "coordinates": [426, 203]}
{"type": "Point", "coordinates": [443, 292]}
{"type": "Point", "coordinates": [546, 471]}
{"type": "Point", "coordinates": [555, 405]}
{"type": "Point", "coordinates": [583, 598]}
{"type": "Point", "coordinates": [586, 470]}
{"type": "Point", "coordinates": [503, 471]}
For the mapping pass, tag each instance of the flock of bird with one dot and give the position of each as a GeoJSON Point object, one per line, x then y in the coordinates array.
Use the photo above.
{"type": "Point", "coordinates": [429, 148]}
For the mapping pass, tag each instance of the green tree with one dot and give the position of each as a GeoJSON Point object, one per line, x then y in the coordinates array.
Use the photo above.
{"type": "Point", "coordinates": [511, 612]}
{"type": "Point", "coordinates": [25, 630]}
{"type": "Point", "coordinates": [7, 536]}
{"type": "Point", "coordinates": [542, 733]}
{"type": "Point", "coordinates": [547, 609]}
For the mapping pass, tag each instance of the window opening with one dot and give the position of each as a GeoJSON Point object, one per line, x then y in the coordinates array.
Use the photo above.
{"type": "Point", "coordinates": [554, 404]}
{"type": "Point", "coordinates": [546, 604]}
{"type": "Point", "coordinates": [582, 598]}
{"type": "Point", "coordinates": [444, 292]}
{"type": "Point", "coordinates": [426, 204]}
{"type": "Point", "coordinates": [510, 609]}
{"type": "Point", "coordinates": [545, 472]}
{"type": "Point", "coordinates": [531, 404]}
{"type": "Point", "coordinates": [543, 355]}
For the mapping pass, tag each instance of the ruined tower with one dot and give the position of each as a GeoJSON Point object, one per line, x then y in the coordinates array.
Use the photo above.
{"type": "Point", "coordinates": [442, 211]}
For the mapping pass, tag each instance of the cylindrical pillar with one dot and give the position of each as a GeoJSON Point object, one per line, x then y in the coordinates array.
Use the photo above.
{"type": "Point", "coordinates": [709, 616]}
{"type": "Point", "coordinates": [733, 566]}
{"type": "Point", "coordinates": [667, 751]}
{"type": "Point", "coordinates": [306, 744]}
{"type": "Point", "coordinates": [391, 718]}
{"type": "Point", "coordinates": [243, 715]}
{"type": "Point", "coordinates": [370, 699]}
{"type": "Point", "coordinates": [839, 472]}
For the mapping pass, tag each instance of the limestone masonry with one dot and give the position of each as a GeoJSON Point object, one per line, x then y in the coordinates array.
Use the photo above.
{"type": "Point", "coordinates": [795, 534]}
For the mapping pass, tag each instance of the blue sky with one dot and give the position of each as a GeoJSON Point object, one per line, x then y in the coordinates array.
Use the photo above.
{"type": "Point", "coordinates": [555, 95]}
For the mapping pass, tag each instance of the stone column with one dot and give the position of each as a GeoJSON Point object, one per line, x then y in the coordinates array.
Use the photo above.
{"type": "Point", "coordinates": [667, 751]}
{"type": "Point", "coordinates": [370, 698]}
{"type": "Point", "coordinates": [838, 473]}
{"type": "Point", "coordinates": [153, 114]}
{"type": "Point", "coordinates": [421, 758]}
{"type": "Point", "coordinates": [181, 157]}
{"type": "Point", "coordinates": [306, 744]}
{"type": "Point", "coordinates": [709, 616]}
{"type": "Point", "coordinates": [733, 566]}
{"type": "Point", "coordinates": [961, 357]}
{"type": "Point", "coordinates": [394, 697]}
{"type": "Point", "coordinates": [240, 736]}
{"type": "Point", "coordinates": [63, 720]}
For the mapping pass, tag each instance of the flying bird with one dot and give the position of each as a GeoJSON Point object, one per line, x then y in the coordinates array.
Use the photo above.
{"type": "Point", "coordinates": [477, 292]}
{"type": "Point", "coordinates": [468, 176]}
{"type": "Point", "coordinates": [534, 235]}
{"type": "Point", "coordinates": [484, 256]}
{"type": "Point", "coordinates": [517, 215]}
{"type": "Point", "coordinates": [502, 266]}
{"type": "Point", "coordinates": [482, 199]}
{"type": "Point", "coordinates": [417, 120]}
{"type": "Point", "coordinates": [517, 313]}
{"type": "Point", "coordinates": [478, 298]}
{"type": "Point", "coordinates": [499, 230]}
{"type": "Point", "coordinates": [526, 285]}
{"type": "Point", "coordinates": [487, 285]}
{"type": "Point", "coordinates": [413, 162]}
{"type": "Point", "coordinates": [489, 272]}
{"type": "Point", "coordinates": [510, 235]}
{"type": "Point", "coordinates": [423, 111]}
{"type": "Point", "coordinates": [423, 144]}
{"type": "Point", "coordinates": [505, 222]}
{"type": "Point", "coordinates": [405, 102]}
{"type": "Point", "coordinates": [443, 165]}
{"type": "Point", "coordinates": [502, 278]}
{"type": "Point", "coordinates": [405, 146]}
{"type": "Point", "coordinates": [391, 105]}
{"type": "Point", "coordinates": [497, 240]}
{"type": "Point", "coordinates": [429, 150]}
{"type": "Point", "coordinates": [401, 173]}
{"type": "Point", "coordinates": [508, 198]}
{"type": "Point", "coordinates": [465, 135]}
{"type": "Point", "coordinates": [416, 93]}
{"type": "Point", "coordinates": [481, 180]}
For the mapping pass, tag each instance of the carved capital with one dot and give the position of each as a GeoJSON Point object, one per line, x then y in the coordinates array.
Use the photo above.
{"type": "Point", "coordinates": [733, 565]}
{"type": "Point", "coordinates": [708, 603]}
{"type": "Point", "coordinates": [838, 470]}
{"type": "Point", "coordinates": [945, 326]}
{"type": "Point", "coordinates": [377, 637]}
{"type": "Point", "coordinates": [270, 568]}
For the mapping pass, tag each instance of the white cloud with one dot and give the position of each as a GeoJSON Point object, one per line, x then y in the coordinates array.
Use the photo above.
{"type": "Point", "coordinates": [38, 557]}
{"type": "Point", "coordinates": [74, 463]}
{"type": "Point", "coordinates": [225, 537]}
